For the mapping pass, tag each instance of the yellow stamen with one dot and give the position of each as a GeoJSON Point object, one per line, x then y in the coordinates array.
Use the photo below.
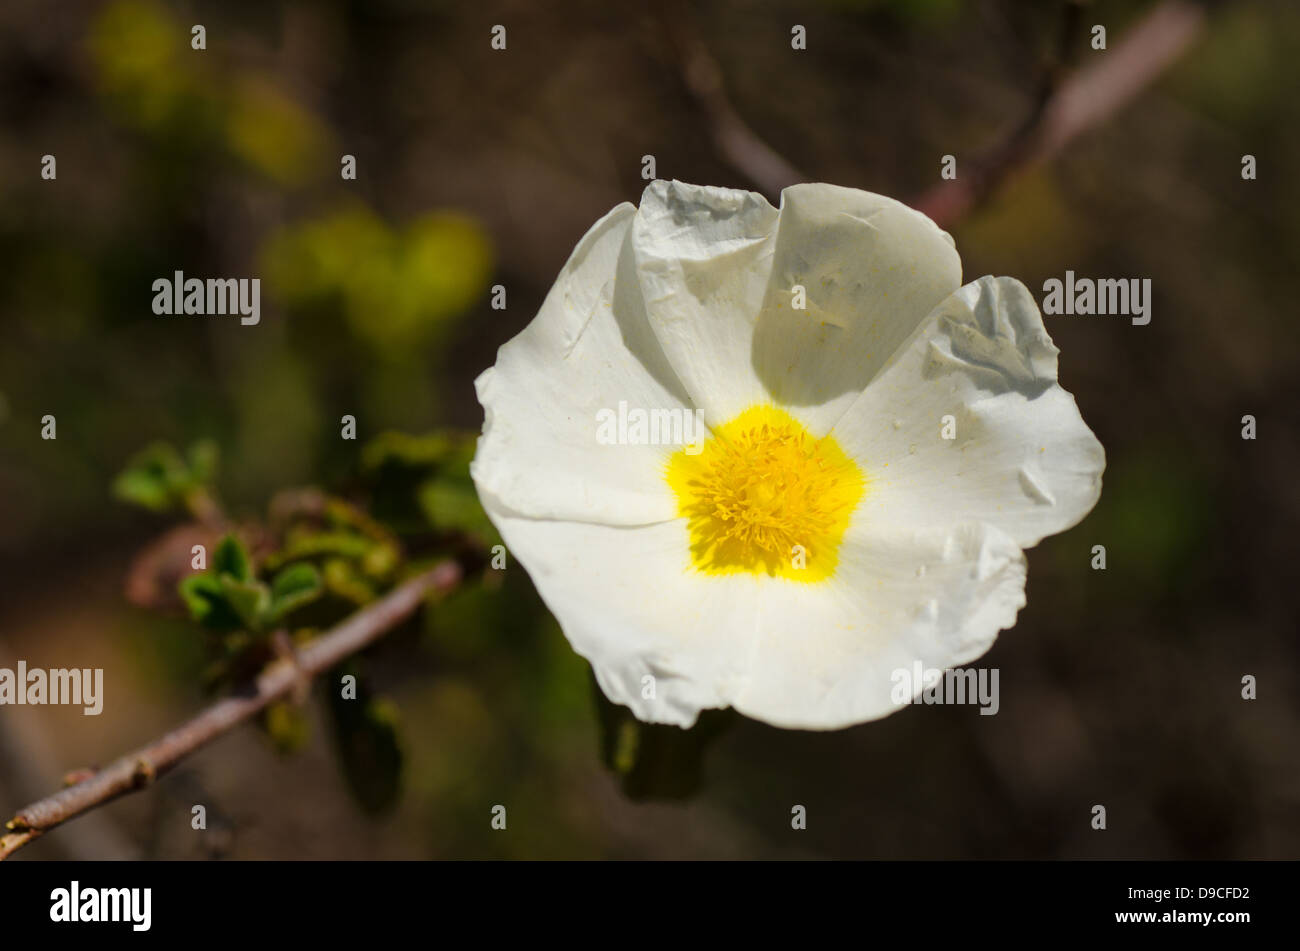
{"type": "Point", "coordinates": [766, 497]}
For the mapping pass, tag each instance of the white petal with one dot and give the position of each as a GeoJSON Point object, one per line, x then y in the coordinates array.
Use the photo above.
{"type": "Point", "coordinates": [1022, 457]}
{"type": "Point", "coordinates": [703, 256]}
{"type": "Point", "coordinates": [627, 602]}
{"type": "Point", "coordinates": [588, 348]}
{"type": "Point", "coordinates": [819, 656]}
{"type": "Point", "coordinates": [828, 654]}
{"type": "Point", "coordinates": [719, 268]}
{"type": "Point", "coordinates": [871, 268]}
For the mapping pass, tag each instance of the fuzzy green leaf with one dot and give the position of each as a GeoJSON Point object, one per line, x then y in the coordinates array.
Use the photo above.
{"type": "Point", "coordinates": [231, 559]}
{"type": "Point", "coordinates": [249, 599]}
{"type": "Point", "coordinates": [293, 587]}
{"type": "Point", "coordinates": [207, 603]}
{"type": "Point", "coordinates": [154, 478]}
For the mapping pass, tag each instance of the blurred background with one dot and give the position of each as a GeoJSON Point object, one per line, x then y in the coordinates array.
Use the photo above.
{"type": "Point", "coordinates": [478, 167]}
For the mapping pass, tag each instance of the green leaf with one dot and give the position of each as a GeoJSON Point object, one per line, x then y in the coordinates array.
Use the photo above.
{"type": "Point", "coordinates": [345, 515]}
{"type": "Point", "coordinates": [155, 478]}
{"type": "Point", "coordinates": [369, 747]}
{"type": "Point", "coordinates": [227, 595]}
{"type": "Point", "coordinates": [231, 559]}
{"type": "Point", "coordinates": [293, 587]}
{"type": "Point", "coordinates": [206, 601]}
{"type": "Point", "coordinates": [309, 544]}
{"type": "Point", "coordinates": [249, 599]}
{"type": "Point", "coordinates": [452, 505]}
{"type": "Point", "coordinates": [145, 489]}
{"type": "Point", "coordinates": [397, 466]}
{"type": "Point", "coordinates": [344, 580]}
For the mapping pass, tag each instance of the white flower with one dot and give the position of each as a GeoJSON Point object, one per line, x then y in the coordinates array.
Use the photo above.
{"type": "Point", "coordinates": [827, 534]}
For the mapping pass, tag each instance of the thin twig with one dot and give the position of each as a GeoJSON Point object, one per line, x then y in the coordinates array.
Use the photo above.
{"type": "Point", "coordinates": [140, 768]}
{"type": "Point", "coordinates": [1074, 106]}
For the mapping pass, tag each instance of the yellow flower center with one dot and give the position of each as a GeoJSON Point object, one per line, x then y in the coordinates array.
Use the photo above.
{"type": "Point", "coordinates": [764, 496]}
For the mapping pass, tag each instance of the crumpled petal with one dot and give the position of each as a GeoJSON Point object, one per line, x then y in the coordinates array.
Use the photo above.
{"type": "Point", "coordinates": [871, 269]}
{"type": "Point", "coordinates": [703, 256]}
{"type": "Point", "coordinates": [1022, 457]}
{"type": "Point", "coordinates": [719, 269]}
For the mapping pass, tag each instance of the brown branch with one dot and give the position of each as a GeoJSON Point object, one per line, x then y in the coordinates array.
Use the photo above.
{"type": "Point", "coordinates": [735, 141]}
{"type": "Point", "coordinates": [1074, 106]}
{"type": "Point", "coordinates": [140, 768]}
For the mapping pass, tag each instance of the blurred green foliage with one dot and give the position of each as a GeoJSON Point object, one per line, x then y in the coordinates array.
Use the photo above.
{"type": "Point", "coordinates": [275, 135]}
{"type": "Point", "coordinates": [160, 479]}
{"type": "Point", "coordinates": [396, 289]}
{"type": "Point", "coordinates": [138, 50]}
{"type": "Point", "coordinates": [228, 596]}
{"type": "Point", "coordinates": [429, 482]}
{"type": "Point", "coordinates": [144, 68]}
{"type": "Point", "coordinates": [187, 162]}
{"type": "Point", "coordinates": [310, 562]}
